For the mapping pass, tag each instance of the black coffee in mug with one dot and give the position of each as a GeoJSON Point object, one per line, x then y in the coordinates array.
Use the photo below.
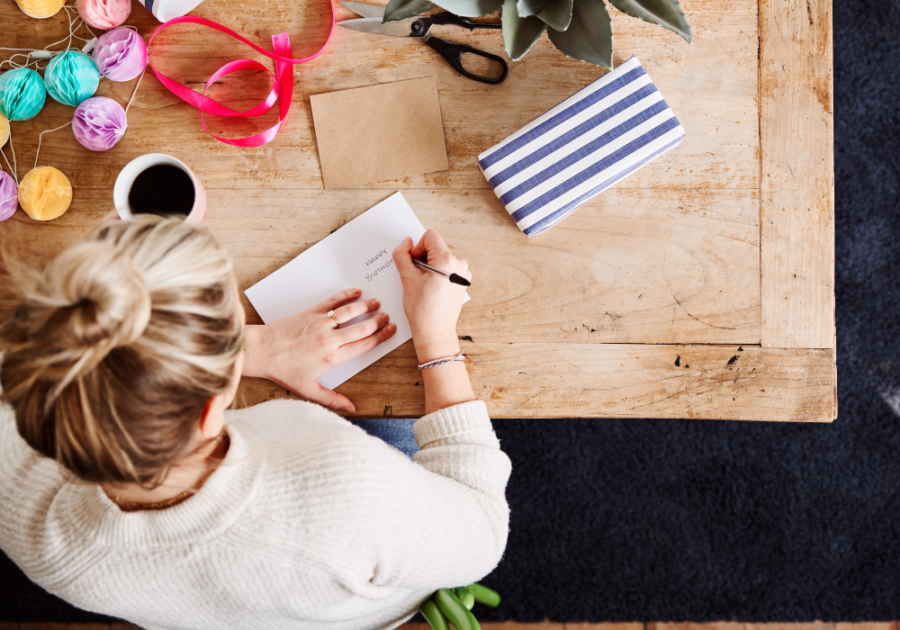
{"type": "Point", "coordinates": [162, 189]}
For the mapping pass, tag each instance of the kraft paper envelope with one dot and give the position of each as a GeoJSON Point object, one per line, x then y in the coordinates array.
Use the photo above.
{"type": "Point", "coordinates": [379, 132]}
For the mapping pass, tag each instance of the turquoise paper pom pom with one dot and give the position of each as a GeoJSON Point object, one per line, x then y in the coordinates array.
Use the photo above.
{"type": "Point", "coordinates": [22, 94]}
{"type": "Point", "coordinates": [71, 77]}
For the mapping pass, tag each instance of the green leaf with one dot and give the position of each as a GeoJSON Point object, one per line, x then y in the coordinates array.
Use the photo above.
{"type": "Point", "coordinates": [519, 33]}
{"type": "Point", "coordinates": [530, 7]}
{"type": "Point", "coordinates": [589, 36]}
{"type": "Point", "coordinates": [471, 8]}
{"type": "Point", "coordinates": [557, 14]}
{"type": "Point", "coordinates": [666, 13]}
{"type": "Point", "coordinates": [402, 9]}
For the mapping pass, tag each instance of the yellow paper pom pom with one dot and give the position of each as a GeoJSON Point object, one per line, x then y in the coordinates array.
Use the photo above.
{"type": "Point", "coordinates": [40, 8]}
{"type": "Point", "coordinates": [45, 193]}
{"type": "Point", "coordinates": [4, 131]}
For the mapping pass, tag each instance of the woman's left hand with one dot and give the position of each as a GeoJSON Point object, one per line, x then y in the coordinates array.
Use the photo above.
{"type": "Point", "coordinates": [295, 351]}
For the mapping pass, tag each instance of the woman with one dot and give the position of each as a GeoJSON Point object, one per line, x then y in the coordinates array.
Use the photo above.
{"type": "Point", "coordinates": [128, 489]}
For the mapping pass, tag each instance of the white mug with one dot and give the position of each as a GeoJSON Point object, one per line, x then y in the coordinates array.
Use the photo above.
{"type": "Point", "coordinates": [140, 164]}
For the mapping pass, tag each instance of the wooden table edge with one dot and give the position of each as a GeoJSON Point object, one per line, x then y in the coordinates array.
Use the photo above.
{"type": "Point", "coordinates": [565, 380]}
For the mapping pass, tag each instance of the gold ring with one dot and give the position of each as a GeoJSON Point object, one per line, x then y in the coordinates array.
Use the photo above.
{"type": "Point", "coordinates": [333, 318]}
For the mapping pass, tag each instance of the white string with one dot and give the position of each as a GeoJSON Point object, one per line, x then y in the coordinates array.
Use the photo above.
{"type": "Point", "coordinates": [15, 165]}
{"type": "Point", "coordinates": [80, 22]}
{"type": "Point", "coordinates": [41, 137]}
{"type": "Point", "coordinates": [134, 93]}
{"type": "Point", "coordinates": [34, 57]}
{"type": "Point", "coordinates": [15, 64]}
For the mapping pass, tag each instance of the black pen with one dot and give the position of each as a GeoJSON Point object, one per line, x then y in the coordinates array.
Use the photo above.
{"type": "Point", "coordinates": [452, 277]}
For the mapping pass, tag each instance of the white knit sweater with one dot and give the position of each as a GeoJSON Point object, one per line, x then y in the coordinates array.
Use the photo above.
{"type": "Point", "coordinates": [308, 523]}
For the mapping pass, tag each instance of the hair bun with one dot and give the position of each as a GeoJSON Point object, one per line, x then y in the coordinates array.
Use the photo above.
{"type": "Point", "coordinates": [97, 298]}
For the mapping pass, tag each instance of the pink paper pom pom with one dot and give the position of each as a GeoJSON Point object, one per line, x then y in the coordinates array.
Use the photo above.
{"type": "Point", "coordinates": [121, 54]}
{"type": "Point", "coordinates": [9, 196]}
{"type": "Point", "coordinates": [104, 14]}
{"type": "Point", "coordinates": [99, 123]}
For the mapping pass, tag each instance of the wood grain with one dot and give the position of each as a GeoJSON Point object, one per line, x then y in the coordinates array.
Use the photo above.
{"type": "Point", "coordinates": [797, 196]}
{"type": "Point", "coordinates": [711, 85]}
{"type": "Point", "coordinates": [510, 625]}
{"type": "Point", "coordinates": [585, 320]}
{"type": "Point", "coordinates": [634, 266]}
{"type": "Point", "coordinates": [635, 625]}
{"type": "Point", "coordinates": [521, 380]}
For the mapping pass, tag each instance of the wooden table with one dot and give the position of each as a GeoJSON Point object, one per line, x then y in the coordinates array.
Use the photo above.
{"type": "Point", "coordinates": [700, 287]}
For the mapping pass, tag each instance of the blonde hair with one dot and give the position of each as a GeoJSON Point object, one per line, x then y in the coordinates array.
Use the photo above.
{"type": "Point", "coordinates": [118, 344]}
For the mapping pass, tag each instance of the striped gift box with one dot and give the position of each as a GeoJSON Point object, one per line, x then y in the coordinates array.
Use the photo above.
{"type": "Point", "coordinates": [548, 169]}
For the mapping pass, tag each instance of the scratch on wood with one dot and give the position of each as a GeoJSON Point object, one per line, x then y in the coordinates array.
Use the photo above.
{"type": "Point", "coordinates": [698, 319]}
{"type": "Point", "coordinates": [389, 410]}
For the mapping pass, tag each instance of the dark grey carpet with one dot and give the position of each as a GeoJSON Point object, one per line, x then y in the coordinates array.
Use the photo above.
{"type": "Point", "coordinates": [672, 520]}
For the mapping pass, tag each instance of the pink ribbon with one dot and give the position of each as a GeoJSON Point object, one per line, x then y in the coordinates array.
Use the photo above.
{"type": "Point", "coordinates": [282, 81]}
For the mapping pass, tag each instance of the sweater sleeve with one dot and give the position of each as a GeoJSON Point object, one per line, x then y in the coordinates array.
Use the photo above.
{"type": "Point", "coordinates": [440, 521]}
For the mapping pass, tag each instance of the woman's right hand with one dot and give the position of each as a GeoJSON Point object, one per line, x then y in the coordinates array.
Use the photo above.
{"type": "Point", "coordinates": [431, 302]}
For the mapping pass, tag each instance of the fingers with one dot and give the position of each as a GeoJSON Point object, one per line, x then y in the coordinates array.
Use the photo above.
{"type": "Point", "coordinates": [434, 250]}
{"type": "Point", "coordinates": [419, 251]}
{"type": "Point", "coordinates": [329, 398]}
{"type": "Point", "coordinates": [349, 311]}
{"type": "Point", "coordinates": [403, 258]}
{"type": "Point", "coordinates": [430, 246]}
{"type": "Point", "coordinates": [336, 300]}
{"type": "Point", "coordinates": [434, 244]}
{"type": "Point", "coordinates": [363, 329]}
{"type": "Point", "coordinates": [356, 348]}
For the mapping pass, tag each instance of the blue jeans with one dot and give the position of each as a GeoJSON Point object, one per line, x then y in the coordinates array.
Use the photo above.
{"type": "Point", "coordinates": [398, 432]}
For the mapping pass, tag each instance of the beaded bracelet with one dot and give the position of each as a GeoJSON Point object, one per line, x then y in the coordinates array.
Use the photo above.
{"type": "Point", "coordinates": [442, 361]}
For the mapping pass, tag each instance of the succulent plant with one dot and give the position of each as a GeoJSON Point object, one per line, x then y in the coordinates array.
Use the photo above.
{"type": "Point", "coordinates": [580, 28]}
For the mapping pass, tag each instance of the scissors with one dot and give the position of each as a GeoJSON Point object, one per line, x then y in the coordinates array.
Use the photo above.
{"type": "Point", "coordinates": [420, 28]}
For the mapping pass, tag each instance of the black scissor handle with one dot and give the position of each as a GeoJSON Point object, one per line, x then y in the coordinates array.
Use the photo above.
{"type": "Point", "coordinates": [453, 54]}
{"type": "Point", "coordinates": [445, 17]}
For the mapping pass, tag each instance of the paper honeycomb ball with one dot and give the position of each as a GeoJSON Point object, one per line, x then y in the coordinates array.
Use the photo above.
{"type": "Point", "coordinates": [99, 123]}
{"type": "Point", "coordinates": [22, 94]}
{"type": "Point", "coordinates": [8, 196]}
{"type": "Point", "coordinates": [105, 14]}
{"type": "Point", "coordinates": [40, 9]}
{"type": "Point", "coordinates": [120, 54]}
{"type": "Point", "coordinates": [45, 193]}
{"type": "Point", "coordinates": [4, 131]}
{"type": "Point", "coordinates": [71, 77]}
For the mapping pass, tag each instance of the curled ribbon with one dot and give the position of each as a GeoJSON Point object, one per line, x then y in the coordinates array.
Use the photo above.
{"type": "Point", "coordinates": [282, 80]}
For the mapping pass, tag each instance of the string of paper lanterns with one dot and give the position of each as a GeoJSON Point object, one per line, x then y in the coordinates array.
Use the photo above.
{"type": "Point", "coordinates": [40, 9]}
{"type": "Point", "coordinates": [22, 94]}
{"type": "Point", "coordinates": [71, 77]}
{"type": "Point", "coordinates": [99, 123]}
{"type": "Point", "coordinates": [45, 193]}
{"type": "Point", "coordinates": [104, 14]}
{"type": "Point", "coordinates": [120, 54]}
{"type": "Point", "coordinates": [9, 191]}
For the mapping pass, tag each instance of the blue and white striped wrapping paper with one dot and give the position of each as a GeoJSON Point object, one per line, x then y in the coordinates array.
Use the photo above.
{"type": "Point", "coordinates": [560, 161]}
